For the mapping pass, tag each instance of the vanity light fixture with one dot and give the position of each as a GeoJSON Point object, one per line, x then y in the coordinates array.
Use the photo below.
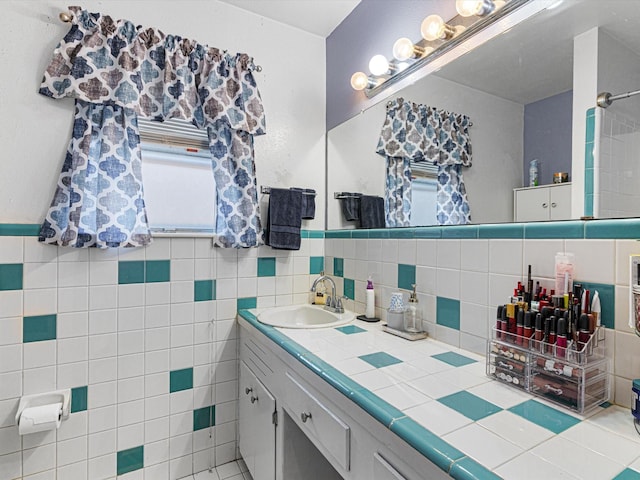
{"type": "Point", "coordinates": [440, 38]}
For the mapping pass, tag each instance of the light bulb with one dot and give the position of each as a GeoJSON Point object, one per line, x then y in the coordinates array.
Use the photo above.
{"type": "Point", "coordinates": [359, 81]}
{"type": "Point", "coordinates": [468, 8]}
{"type": "Point", "coordinates": [432, 27]}
{"type": "Point", "coordinates": [378, 65]}
{"type": "Point", "coordinates": [403, 49]}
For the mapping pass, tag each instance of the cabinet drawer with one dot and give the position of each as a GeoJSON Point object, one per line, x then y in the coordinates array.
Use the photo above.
{"type": "Point", "coordinates": [383, 470]}
{"type": "Point", "coordinates": [318, 422]}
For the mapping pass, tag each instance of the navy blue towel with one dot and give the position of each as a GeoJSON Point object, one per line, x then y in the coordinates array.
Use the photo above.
{"type": "Point", "coordinates": [371, 212]}
{"type": "Point", "coordinates": [308, 202]}
{"type": "Point", "coordinates": [350, 205]}
{"type": "Point", "coordinates": [284, 218]}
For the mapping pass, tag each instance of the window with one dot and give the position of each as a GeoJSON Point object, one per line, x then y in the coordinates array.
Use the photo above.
{"type": "Point", "coordinates": [424, 188]}
{"type": "Point", "coordinates": [179, 188]}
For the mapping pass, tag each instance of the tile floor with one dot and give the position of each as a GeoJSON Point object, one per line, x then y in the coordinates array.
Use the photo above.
{"type": "Point", "coordinates": [236, 470]}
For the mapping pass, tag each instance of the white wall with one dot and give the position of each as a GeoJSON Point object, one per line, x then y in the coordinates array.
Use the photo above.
{"type": "Point", "coordinates": [34, 130]}
{"type": "Point", "coordinates": [496, 139]}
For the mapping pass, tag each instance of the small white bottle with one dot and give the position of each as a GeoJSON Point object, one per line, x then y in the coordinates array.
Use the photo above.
{"type": "Point", "coordinates": [370, 300]}
{"type": "Point", "coordinates": [412, 316]}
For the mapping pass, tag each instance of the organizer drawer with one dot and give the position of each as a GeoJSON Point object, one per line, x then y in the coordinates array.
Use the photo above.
{"type": "Point", "coordinates": [318, 422]}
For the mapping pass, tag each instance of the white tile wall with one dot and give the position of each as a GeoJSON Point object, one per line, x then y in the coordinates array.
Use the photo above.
{"type": "Point", "coordinates": [122, 341]}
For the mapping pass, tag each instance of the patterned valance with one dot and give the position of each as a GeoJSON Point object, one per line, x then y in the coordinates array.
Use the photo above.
{"type": "Point", "coordinates": [158, 76]}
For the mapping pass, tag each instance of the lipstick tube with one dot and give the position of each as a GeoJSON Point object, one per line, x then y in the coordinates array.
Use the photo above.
{"type": "Point", "coordinates": [499, 321]}
{"type": "Point", "coordinates": [583, 332]}
{"type": "Point", "coordinates": [527, 330]}
{"type": "Point", "coordinates": [552, 333]}
{"type": "Point", "coordinates": [511, 321]}
{"type": "Point", "coordinates": [538, 334]}
{"type": "Point", "coordinates": [561, 343]}
{"type": "Point", "coordinates": [544, 347]}
{"type": "Point", "coordinates": [520, 327]}
{"type": "Point", "coordinates": [504, 323]}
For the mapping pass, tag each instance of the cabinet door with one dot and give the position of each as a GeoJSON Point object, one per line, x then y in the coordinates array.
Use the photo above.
{"type": "Point", "coordinates": [257, 436]}
{"type": "Point", "coordinates": [383, 470]}
{"type": "Point", "coordinates": [560, 202]}
{"type": "Point", "coordinates": [532, 205]}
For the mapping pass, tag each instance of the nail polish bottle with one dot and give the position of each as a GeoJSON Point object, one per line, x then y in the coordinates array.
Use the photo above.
{"type": "Point", "coordinates": [538, 334]}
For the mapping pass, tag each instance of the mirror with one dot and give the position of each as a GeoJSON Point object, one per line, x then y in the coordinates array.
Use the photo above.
{"type": "Point", "coordinates": [526, 102]}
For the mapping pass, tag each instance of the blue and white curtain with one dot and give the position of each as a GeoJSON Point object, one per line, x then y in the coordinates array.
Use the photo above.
{"type": "Point", "coordinates": [117, 72]}
{"type": "Point", "coordinates": [416, 133]}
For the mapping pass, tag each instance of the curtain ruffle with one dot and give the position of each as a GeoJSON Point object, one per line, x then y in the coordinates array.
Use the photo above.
{"type": "Point", "coordinates": [158, 76]}
{"type": "Point", "coordinates": [422, 133]}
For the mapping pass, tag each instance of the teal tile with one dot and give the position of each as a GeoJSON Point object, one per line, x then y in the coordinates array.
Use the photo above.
{"type": "Point", "coordinates": [607, 294]}
{"type": "Point", "coordinates": [349, 288]}
{"type": "Point", "coordinates": [591, 112]}
{"type": "Point", "coordinates": [11, 276]}
{"type": "Point", "coordinates": [130, 460]}
{"type": "Point", "coordinates": [448, 312]}
{"type": "Point", "coordinates": [428, 232]}
{"type": "Point", "coordinates": [338, 234]}
{"type": "Point", "coordinates": [247, 302]}
{"type": "Point", "coordinates": [338, 267]}
{"type": "Point", "coordinates": [628, 228]}
{"type": "Point", "coordinates": [588, 155]}
{"type": "Point", "coordinates": [38, 328]}
{"type": "Point", "coordinates": [267, 267]}
{"type": "Point", "coordinates": [503, 230]}
{"type": "Point", "coordinates": [360, 234]}
{"type": "Point", "coordinates": [427, 443]}
{"type": "Point", "coordinates": [406, 276]}
{"type": "Point", "coordinates": [548, 230]}
{"type": "Point", "coordinates": [590, 128]}
{"type": "Point", "coordinates": [588, 181]}
{"type": "Point", "coordinates": [627, 474]}
{"type": "Point", "coordinates": [463, 231]}
{"type": "Point", "coordinates": [180, 380]}
{"type": "Point", "coordinates": [204, 290]}
{"type": "Point", "coordinates": [470, 405]}
{"type": "Point", "coordinates": [380, 233]}
{"type": "Point", "coordinates": [380, 359]}
{"type": "Point", "coordinates": [544, 416]}
{"type": "Point", "coordinates": [316, 233]}
{"type": "Point", "coordinates": [79, 399]}
{"type": "Point", "coordinates": [454, 359]}
{"type": "Point", "coordinates": [202, 418]}
{"type": "Point", "coordinates": [316, 265]}
{"type": "Point", "coordinates": [157, 271]}
{"type": "Point", "coordinates": [468, 469]}
{"type": "Point", "coordinates": [588, 204]}
{"type": "Point", "coordinates": [382, 411]}
{"type": "Point", "coordinates": [402, 233]}
{"type": "Point", "coordinates": [350, 329]}
{"type": "Point", "coordinates": [19, 230]}
{"type": "Point", "coordinates": [131, 272]}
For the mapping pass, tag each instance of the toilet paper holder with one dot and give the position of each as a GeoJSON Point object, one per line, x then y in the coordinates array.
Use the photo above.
{"type": "Point", "coordinates": [40, 399]}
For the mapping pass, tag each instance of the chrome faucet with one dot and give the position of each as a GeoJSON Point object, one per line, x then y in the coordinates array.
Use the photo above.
{"type": "Point", "coordinates": [333, 303]}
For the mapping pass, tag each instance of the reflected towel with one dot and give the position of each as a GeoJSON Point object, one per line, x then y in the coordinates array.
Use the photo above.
{"type": "Point", "coordinates": [371, 212]}
{"type": "Point", "coordinates": [284, 219]}
{"type": "Point", "coordinates": [308, 202]}
{"type": "Point", "coordinates": [350, 205]}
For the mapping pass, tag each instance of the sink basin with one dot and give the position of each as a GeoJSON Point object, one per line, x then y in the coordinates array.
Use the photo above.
{"type": "Point", "coordinates": [304, 316]}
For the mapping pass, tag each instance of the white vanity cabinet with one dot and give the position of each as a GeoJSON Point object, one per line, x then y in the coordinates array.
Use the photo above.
{"type": "Point", "coordinates": [257, 436]}
{"type": "Point", "coordinates": [319, 433]}
{"type": "Point", "coordinates": [547, 202]}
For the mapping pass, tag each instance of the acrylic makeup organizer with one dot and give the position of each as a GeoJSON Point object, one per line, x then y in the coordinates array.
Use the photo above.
{"type": "Point", "coordinates": [575, 379]}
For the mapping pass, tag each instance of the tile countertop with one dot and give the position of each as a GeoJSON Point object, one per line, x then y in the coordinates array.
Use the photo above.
{"type": "Point", "coordinates": [439, 400]}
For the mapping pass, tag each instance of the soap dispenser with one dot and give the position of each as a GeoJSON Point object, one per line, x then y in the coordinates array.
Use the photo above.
{"type": "Point", "coordinates": [412, 317]}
